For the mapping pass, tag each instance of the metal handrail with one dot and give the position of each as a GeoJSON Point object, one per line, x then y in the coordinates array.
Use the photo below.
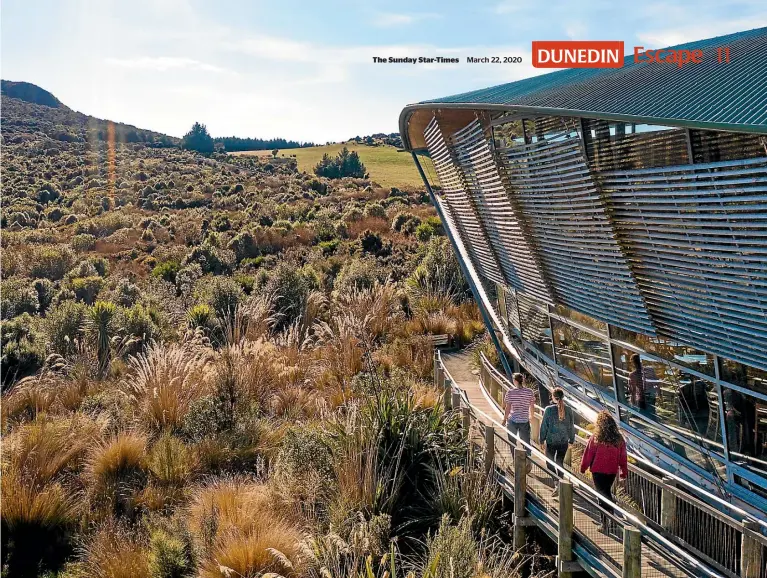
{"type": "Point", "coordinates": [736, 524]}
{"type": "Point", "coordinates": [593, 494]}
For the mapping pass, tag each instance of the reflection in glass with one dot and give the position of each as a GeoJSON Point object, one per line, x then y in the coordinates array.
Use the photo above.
{"type": "Point", "coordinates": [679, 400]}
{"type": "Point", "coordinates": [584, 354]}
{"type": "Point", "coordinates": [581, 318]}
{"type": "Point", "coordinates": [534, 321]}
{"type": "Point", "coordinates": [667, 349]}
{"type": "Point", "coordinates": [745, 418]}
{"type": "Point", "coordinates": [700, 455]}
{"type": "Point", "coordinates": [743, 375]}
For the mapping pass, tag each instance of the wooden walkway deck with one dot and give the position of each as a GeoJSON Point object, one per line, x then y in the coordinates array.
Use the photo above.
{"type": "Point", "coordinates": [540, 486]}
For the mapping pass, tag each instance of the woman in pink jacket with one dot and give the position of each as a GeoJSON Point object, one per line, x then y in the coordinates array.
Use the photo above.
{"type": "Point", "coordinates": [605, 456]}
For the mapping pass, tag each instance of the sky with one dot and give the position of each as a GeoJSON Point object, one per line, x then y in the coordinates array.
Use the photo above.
{"type": "Point", "coordinates": [302, 69]}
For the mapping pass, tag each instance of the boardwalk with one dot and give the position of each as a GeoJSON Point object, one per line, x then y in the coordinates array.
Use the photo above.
{"type": "Point", "coordinates": [540, 485]}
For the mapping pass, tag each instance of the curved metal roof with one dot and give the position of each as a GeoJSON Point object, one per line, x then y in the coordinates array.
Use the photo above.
{"type": "Point", "coordinates": [710, 95]}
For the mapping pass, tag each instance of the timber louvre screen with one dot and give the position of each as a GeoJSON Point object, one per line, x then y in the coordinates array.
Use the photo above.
{"type": "Point", "coordinates": [573, 233]}
{"type": "Point", "coordinates": [461, 210]}
{"type": "Point", "coordinates": [697, 238]}
{"type": "Point", "coordinates": [504, 229]}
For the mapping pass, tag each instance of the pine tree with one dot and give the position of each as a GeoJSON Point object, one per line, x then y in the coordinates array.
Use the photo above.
{"type": "Point", "coordinates": [198, 139]}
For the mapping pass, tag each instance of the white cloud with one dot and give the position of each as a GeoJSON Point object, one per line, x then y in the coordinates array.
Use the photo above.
{"type": "Point", "coordinates": [164, 63]}
{"type": "Point", "coordinates": [387, 20]}
{"type": "Point", "coordinates": [672, 36]}
{"type": "Point", "coordinates": [576, 30]}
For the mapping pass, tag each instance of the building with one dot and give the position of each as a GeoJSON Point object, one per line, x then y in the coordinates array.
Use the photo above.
{"type": "Point", "coordinates": [602, 213]}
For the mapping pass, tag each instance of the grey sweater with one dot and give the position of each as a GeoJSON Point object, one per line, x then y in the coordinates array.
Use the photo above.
{"type": "Point", "coordinates": [555, 432]}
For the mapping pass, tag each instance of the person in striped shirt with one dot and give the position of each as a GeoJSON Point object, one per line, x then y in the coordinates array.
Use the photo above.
{"type": "Point", "coordinates": [519, 405]}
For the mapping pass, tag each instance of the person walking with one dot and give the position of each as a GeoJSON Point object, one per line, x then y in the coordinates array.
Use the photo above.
{"type": "Point", "coordinates": [637, 384]}
{"type": "Point", "coordinates": [557, 430]}
{"type": "Point", "coordinates": [605, 456]}
{"type": "Point", "coordinates": [519, 405]}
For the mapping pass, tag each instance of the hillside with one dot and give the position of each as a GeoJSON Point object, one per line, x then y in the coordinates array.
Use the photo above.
{"type": "Point", "coordinates": [220, 366]}
{"type": "Point", "coordinates": [29, 92]}
{"type": "Point", "coordinates": [386, 165]}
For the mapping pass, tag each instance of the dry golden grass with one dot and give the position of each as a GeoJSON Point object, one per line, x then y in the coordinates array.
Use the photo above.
{"type": "Point", "coordinates": [166, 380]}
{"type": "Point", "coordinates": [45, 448]}
{"type": "Point", "coordinates": [116, 462]}
{"type": "Point", "coordinates": [48, 508]}
{"type": "Point", "coordinates": [115, 551]}
{"type": "Point", "coordinates": [237, 528]}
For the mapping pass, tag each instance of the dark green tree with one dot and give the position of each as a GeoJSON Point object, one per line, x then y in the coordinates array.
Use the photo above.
{"type": "Point", "coordinates": [198, 139]}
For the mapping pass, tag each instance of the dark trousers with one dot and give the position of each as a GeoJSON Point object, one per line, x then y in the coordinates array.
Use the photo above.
{"type": "Point", "coordinates": [556, 454]}
{"type": "Point", "coordinates": [603, 483]}
{"type": "Point", "coordinates": [522, 429]}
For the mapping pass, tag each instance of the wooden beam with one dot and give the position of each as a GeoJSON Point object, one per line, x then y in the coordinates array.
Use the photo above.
{"type": "Point", "coordinates": [565, 527]}
{"type": "Point", "coordinates": [489, 449]}
{"type": "Point", "coordinates": [632, 553]}
{"type": "Point", "coordinates": [520, 497]}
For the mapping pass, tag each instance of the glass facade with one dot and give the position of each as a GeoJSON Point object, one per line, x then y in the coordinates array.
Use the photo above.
{"type": "Point", "coordinates": [585, 354]}
{"type": "Point", "coordinates": [674, 401]}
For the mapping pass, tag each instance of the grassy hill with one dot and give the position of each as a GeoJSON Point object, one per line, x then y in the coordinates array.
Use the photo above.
{"type": "Point", "coordinates": [386, 166]}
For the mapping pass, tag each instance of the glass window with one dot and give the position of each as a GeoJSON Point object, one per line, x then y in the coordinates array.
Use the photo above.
{"type": "Point", "coordinates": [620, 146]}
{"type": "Point", "coordinates": [584, 354]}
{"type": "Point", "coordinates": [667, 349]}
{"type": "Point", "coordinates": [534, 322]}
{"type": "Point", "coordinates": [743, 375]}
{"type": "Point", "coordinates": [745, 418]}
{"type": "Point", "coordinates": [679, 400]}
{"type": "Point", "coordinates": [581, 318]}
{"type": "Point", "coordinates": [699, 454]}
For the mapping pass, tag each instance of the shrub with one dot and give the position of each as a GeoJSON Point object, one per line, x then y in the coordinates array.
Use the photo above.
{"type": "Point", "coordinates": [126, 293]}
{"type": "Point", "coordinates": [375, 210]}
{"type": "Point", "coordinates": [23, 348]}
{"type": "Point", "coordinates": [170, 462]}
{"type": "Point", "coordinates": [83, 242]}
{"type": "Point", "coordinates": [19, 296]}
{"type": "Point", "coordinates": [51, 262]}
{"type": "Point", "coordinates": [372, 243]}
{"type": "Point", "coordinates": [167, 271]}
{"type": "Point", "coordinates": [224, 295]}
{"type": "Point", "coordinates": [171, 553]}
{"type": "Point", "coordinates": [424, 232]}
{"type": "Point", "coordinates": [139, 323]}
{"type": "Point", "coordinates": [44, 289]}
{"type": "Point", "coordinates": [87, 288]}
{"type": "Point", "coordinates": [288, 290]}
{"type": "Point", "coordinates": [64, 325]}
{"type": "Point", "coordinates": [244, 246]}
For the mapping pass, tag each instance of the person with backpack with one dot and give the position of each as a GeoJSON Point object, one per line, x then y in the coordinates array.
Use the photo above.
{"type": "Point", "coordinates": [605, 456]}
{"type": "Point", "coordinates": [557, 429]}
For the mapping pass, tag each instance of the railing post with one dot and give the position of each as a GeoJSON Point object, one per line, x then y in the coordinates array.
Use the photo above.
{"type": "Point", "coordinates": [632, 553]}
{"type": "Point", "coordinates": [466, 418]}
{"type": "Point", "coordinates": [493, 387]}
{"type": "Point", "coordinates": [667, 505]}
{"type": "Point", "coordinates": [520, 498]}
{"type": "Point", "coordinates": [456, 400]}
{"type": "Point", "coordinates": [489, 448]}
{"type": "Point", "coordinates": [565, 537]}
{"type": "Point", "coordinates": [447, 394]}
{"type": "Point", "coordinates": [750, 551]}
{"type": "Point", "coordinates": [437, 369]}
